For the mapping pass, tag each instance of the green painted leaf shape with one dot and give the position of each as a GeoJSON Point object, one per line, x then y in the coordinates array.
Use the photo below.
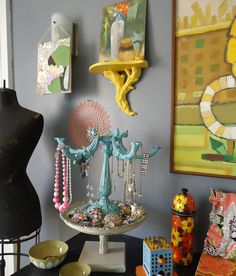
{"type": "Point", "coordinates": [218, 146]}
{"type": "Point", "coordinates": [55, 86]}
{"type": "Point", "coordinates": [61, 55]}
{"type": "Point", "coordinates": [229, 158]}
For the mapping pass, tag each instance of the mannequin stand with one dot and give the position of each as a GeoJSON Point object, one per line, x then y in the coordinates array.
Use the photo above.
{"type": "Point", "coordinates": [18, 254]}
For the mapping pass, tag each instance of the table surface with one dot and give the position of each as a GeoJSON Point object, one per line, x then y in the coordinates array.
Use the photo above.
{"type": "Point", "coordinates": [133, 257]}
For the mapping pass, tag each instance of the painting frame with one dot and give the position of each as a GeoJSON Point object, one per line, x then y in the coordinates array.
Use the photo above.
{"type": "Point", "coordinates": [206, 162]}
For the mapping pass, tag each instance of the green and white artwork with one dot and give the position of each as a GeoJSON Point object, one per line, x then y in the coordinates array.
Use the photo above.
{"type": "Point", "coordinates": [122, 36]}
{"type": "Point", "coordinates": [54, 67]}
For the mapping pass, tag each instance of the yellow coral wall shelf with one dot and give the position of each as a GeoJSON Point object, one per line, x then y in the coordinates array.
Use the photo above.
{"type": "Point", "coordinates": [123, 74]}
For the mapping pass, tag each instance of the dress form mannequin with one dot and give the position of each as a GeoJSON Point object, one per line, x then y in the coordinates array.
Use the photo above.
{"type": "Point", "coordinates": [20, 130]}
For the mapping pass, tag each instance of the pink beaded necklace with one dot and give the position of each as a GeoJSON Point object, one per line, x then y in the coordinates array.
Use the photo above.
{"type": "Point", "coordinates": [66, 172]}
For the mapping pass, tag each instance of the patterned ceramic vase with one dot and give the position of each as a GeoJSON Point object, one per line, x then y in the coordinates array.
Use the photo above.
{"type": "Point", "coordinates": [183, 211]}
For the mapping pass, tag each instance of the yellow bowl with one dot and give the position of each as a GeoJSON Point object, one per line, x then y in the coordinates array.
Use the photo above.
{"type": "Point", "coordinates": [75, 269]}
{"type": "Point", "coordinates": [48, 254]}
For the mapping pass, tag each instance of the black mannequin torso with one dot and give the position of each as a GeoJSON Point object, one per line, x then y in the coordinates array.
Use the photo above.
{"type": "Point", "coordinates": [20, 130]}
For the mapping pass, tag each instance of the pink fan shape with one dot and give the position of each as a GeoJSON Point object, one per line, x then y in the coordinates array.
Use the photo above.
{"type": "Point", "coordinates": [88, 114]}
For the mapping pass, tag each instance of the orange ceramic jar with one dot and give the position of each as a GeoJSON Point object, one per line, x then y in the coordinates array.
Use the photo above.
{"type": "Point", "coordinates": [182, 232]}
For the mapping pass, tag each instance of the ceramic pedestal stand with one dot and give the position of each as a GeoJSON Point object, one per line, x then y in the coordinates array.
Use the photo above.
{"type": "Point", "coordinates": [103, 255]}
{"type": "Point", "coordinates": [112, 258]}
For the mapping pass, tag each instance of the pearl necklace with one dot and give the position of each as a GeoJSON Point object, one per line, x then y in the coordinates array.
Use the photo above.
{"type": "Point", "coordinates": [67, 191]}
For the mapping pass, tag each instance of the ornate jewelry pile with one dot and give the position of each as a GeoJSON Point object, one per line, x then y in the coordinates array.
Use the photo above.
{"type": "Point", "coordinates": [95, 218]}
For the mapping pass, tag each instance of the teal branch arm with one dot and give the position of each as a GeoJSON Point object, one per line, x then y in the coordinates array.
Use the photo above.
{"type": "Point", "coordinates": [127, 156]}
{"type": "Point", "coordinates": [122, 153]}
{"type": "Point", "coordinates": [69, 153]}
{"type": "Point", "coordinates": [117, 134]}
{"type": "Point", "coordinates": [119, 137]}
{"type": "Point", "coordinates": [91, 149]}
{"type": "Point", "coordinates": [120, 150]}
{"type": "Point", "coordinates": [75, 155]}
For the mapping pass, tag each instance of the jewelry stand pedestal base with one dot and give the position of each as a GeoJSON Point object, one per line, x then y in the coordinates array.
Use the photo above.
{"type": "Point", "coordinates": [112, 261]}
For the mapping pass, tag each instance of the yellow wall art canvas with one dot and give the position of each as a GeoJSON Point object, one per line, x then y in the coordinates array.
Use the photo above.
{"type": "Point", "coordinates": [204, 88]}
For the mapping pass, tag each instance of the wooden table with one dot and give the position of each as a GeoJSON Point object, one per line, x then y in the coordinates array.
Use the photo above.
{"type": "Point", "coordinates": [133, 257]}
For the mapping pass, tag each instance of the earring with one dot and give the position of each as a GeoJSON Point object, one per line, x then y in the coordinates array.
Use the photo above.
{"type": "Point", "coordinates": [144, 163]}
{"type": "Point", "coordinates": [84, 167]}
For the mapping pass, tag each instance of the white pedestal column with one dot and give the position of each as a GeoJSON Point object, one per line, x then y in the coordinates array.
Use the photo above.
{"type": "Point", "coordinates": [104, 256]}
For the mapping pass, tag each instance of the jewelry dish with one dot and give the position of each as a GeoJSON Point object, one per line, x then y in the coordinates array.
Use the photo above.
{"type": "Point", "coordinates": [109, 229]}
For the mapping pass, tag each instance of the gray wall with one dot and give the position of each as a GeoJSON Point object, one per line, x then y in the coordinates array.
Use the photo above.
{"type": "Point", "coordinates": [151, 99]}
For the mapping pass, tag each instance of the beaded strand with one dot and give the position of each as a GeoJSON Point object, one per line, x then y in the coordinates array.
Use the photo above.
{"type": "Point", "coordinates": [66, 173]}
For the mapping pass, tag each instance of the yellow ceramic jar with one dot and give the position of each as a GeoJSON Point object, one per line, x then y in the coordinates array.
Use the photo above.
{"type": "Point", "coordinates": [126, 50]}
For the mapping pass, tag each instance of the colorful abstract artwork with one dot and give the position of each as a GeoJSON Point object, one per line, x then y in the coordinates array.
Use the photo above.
{"type": "Point", "coordinates": [221, 235]}
{"type": "Point", "coordinates": [122, 36]}
{"type": "Point", "coordinates": [54, 67]}
{"type": "Point", "coordinates": [204, 88]}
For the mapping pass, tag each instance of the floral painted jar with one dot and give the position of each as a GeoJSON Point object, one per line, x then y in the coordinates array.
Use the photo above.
{"type": "Point", "coordinates": [182, 231]}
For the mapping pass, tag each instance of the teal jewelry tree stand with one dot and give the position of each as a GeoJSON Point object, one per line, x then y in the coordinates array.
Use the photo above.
{"type": "Point", "coordinates": [112, 145]}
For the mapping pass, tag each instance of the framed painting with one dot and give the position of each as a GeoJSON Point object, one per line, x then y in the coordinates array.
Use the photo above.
{"type": "Point", "coordinates": [122, 35]}
{"type": "Point", "coordinates": [203, 131]}
{"type": "Point", "coordinates": [54, 67]}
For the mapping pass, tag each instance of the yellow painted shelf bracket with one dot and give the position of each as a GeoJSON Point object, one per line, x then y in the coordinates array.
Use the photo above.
{"type": "Point", "coordinates": [123, 75]}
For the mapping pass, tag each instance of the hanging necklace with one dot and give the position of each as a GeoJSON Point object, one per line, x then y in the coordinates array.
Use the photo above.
{"type": "Point", "coordinates": [68, 164]}
{"type": "Point", "coordinates": [143, 171]}
{"type": "Point", "coordinates": [89, 186]}
{"type": "Point", "coordinates": [120, 174]}
{"type": "Point", "coordinates": [113, 178]}
{"type": "Point", "coordinates": [66, 173]}
{"type": "Point", "coordinates": [126, 180]}
{"type": "Point", "coordinates": [131, 181]}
